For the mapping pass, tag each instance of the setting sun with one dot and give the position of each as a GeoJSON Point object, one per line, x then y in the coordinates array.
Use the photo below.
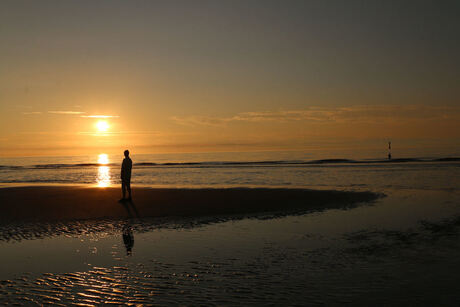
{"type": "Point", "coordinates": [102, 126]}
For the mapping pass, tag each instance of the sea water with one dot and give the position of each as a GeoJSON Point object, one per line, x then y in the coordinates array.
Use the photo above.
{"type": "Point", "coordinates": [267, 169]}
{"type": "Point", "coordinates": [402, 249]}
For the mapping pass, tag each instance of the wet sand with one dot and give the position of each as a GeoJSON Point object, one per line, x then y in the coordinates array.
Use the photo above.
{"type": "Point", "coordinates": [403, 250]}
{"type": "Point", "coordinates": [50, 203]}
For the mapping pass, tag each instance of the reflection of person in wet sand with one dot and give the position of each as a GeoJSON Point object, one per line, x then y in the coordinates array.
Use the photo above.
{"type": "Point", "coordinates": [126, 167]}
{"type": "Point", "coordinates": [128, 239]}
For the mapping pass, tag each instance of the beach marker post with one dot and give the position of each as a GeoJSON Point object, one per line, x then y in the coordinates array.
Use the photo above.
{"type": "Point", "coordinates": [389, 150]}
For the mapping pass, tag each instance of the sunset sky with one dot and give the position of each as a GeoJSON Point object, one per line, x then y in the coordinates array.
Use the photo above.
{"type": "Point", "coordinates": [81, 77]}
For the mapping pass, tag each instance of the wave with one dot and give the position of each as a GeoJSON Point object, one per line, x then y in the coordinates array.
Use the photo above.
{"type": "Point", "coordinates": [447, 159]}
{"type": "Point", "coordinates": [233, 163]}
{"type": "Point", "coordinates": [217, 163]}
{"type": "Point", "coordinates": [72, 165]}
{"type": "Point", "coordinates": [293, 162]}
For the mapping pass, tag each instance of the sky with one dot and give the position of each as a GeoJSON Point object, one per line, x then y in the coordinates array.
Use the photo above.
{"type": "Point", "coordinates": [79, 77]}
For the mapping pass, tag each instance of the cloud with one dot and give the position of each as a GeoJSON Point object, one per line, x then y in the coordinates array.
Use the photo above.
{"type": "Point", "coordinates": [100, 116]}
{"type": "Point", "coordinates": [45, 133]}
{"type": "Point", "coordinates": [113, 133]}
{"type": "Point", "coordinates": [66, 112]}
{"type": "Point", "coordinates": [72, 113]}
{"type": "Point", "coordinates": [352, 114]}
{"type": "Point", "coordinates": [283, 116]}
{"type": "Point", "coordinates": [199, 121]}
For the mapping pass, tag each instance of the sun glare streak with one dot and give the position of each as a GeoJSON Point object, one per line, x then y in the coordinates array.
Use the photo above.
{"type": "Point", "coordinates": [103, 177]}
{"type": "Point", "coordinates": [103, 171]}
{"type": "Point", "coordinates": [100, 116]}
{"type": "Point", "coordinates": [102, 126]}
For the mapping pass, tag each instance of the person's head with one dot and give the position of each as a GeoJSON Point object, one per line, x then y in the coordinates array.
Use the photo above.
{"type": "Point", "coordinates": [126, 153]}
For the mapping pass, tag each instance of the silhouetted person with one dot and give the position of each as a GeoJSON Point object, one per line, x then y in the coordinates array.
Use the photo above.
{"type": "Point", "coordinates": [126, 167]}
{"type": "Point", "coordinates": [128, 239]}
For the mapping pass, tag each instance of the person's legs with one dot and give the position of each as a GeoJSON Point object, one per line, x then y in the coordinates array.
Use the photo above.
{"type": "Point", "coordinates": [128, 187]}
{"type": "Point", "coordinates": [123, 188]}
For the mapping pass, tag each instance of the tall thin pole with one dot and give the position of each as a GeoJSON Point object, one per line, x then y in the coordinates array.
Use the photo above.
{"type": "Point", "coordinates": [389, 150]}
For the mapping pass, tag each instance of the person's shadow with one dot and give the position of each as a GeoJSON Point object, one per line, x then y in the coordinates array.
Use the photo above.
{"type": "Point", "coordinates": [130, 208]}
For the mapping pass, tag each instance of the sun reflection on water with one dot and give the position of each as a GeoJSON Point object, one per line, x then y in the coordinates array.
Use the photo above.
{"type": "Point", "coordinates": [103, 159]}
{"type": "Point", "coordinates": [103, 172]}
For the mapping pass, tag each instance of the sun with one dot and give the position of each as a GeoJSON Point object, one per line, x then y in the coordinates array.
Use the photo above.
{"type": "Point", "coordinates": [102, 126]}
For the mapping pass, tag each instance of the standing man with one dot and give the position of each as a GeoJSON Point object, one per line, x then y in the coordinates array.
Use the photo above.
{"type": "Point", "coordinates": [126, 167]}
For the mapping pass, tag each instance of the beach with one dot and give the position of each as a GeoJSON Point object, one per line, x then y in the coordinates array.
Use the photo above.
{"type": "Point", "coordinates": [399, 249]}
{"type": "Point", "coordinates": [353, 233]}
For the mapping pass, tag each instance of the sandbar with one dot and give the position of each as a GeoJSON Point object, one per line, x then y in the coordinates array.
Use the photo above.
{"type": "Point", "coordinates": [57, 203]}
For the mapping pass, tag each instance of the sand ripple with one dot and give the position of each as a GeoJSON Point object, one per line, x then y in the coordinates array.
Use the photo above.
{"type": "Point", "coordinates": [352, 273]}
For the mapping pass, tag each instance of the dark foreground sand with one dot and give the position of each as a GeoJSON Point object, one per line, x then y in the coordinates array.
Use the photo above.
{"type": "Point", "coordinates": [67, 202]}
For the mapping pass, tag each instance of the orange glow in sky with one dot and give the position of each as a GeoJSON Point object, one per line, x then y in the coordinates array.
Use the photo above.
{"type": "Point", "coordinates": [248, 78]}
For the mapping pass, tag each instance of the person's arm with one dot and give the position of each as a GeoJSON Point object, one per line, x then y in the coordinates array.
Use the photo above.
{"type": "Point", "coordinates": [122, 169]}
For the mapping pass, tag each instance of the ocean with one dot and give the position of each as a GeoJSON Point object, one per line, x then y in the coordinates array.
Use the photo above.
{"type": "Point", "coordinates": [255, 169]}
{"type": "Point", "coordinates": [401, 249]}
